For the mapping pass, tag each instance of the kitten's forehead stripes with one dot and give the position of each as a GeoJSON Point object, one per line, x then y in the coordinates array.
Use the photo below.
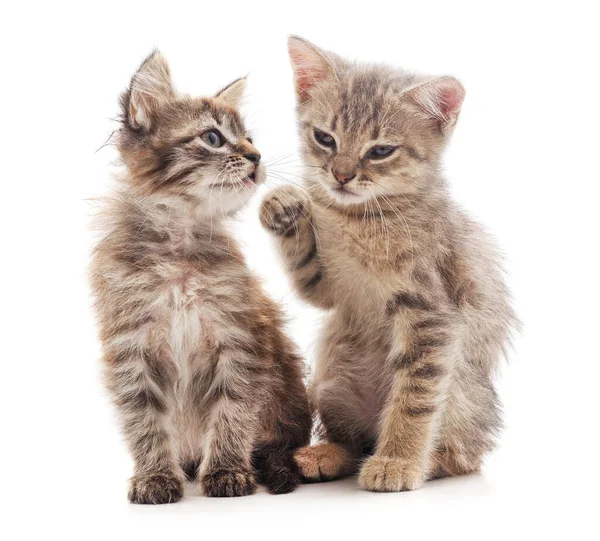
{"type": "Point", "coordinates": [208, 109]}
{"type": "Point", "coordinates": [334, 122]}
{"type": "Point", "coordinates": [361, 102]}
{"type": "Point", "coordinates": [226, 115]}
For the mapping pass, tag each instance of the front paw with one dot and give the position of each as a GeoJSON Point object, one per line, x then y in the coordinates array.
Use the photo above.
{"type": "Point", "coordinates": [155, 489]}
{"type": "Point", "coordinates": [386, 474]}
{"type": "Point", "coordinates": [282, 208]}
{"type": "Point", "coordinates": [228, 483]}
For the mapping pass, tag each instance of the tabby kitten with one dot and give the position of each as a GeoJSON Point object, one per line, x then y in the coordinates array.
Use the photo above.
{"type": "Point", "coordinates": [205, 380]}
{"type": "Point", "coordinates": [419, 313]}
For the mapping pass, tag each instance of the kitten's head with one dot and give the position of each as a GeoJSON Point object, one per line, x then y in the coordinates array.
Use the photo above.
{"type": "Point", "coordinates": [370, 130]}
{"type": "Point", "coordinates": [186, 147]}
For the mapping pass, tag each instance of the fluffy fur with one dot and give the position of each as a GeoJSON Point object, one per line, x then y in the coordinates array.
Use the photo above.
{"type": "Point", "coordinates": [419, 315]}
{"type": "Point", "coordinates": [205, 381]}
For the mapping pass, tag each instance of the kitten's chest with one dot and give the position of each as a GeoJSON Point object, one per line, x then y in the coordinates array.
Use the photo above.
{"type": "Point", "coordinates": [359, 254]}
{"type": "Point", "coordinates": [184, 304]}
{"type": "Point", "coordinates": [184, 288]}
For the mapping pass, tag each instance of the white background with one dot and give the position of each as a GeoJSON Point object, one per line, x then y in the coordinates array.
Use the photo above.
{"type": "Point", "coordinates": [523, 160]}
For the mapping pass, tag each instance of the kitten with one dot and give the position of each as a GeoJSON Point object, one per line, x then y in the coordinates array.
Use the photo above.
{"type": "Point", "coordinates": [419, 313]}
{"type": "Point", "coordinates": [205, 380]}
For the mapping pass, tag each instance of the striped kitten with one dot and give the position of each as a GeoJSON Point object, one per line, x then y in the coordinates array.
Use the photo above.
{"type": "Point", "coordinates": [205, 380]}
{"type": "Point", "coordinates": [419, 313]}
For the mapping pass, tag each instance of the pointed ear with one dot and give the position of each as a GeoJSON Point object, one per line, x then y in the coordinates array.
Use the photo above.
{"type": "Point", "coordinates": [233, 93]}
{"type": "Point", "coordinates": [310, 64]}
{"type": "Point", "coordinates": [150, 88]}
{"type": "Point", "coordinates": [440, 99]}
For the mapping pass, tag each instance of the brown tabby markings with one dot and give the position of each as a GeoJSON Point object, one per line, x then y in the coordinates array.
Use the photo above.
{"type": "Point", "coordinates": [204, 379]}
{"type": "Point", "coordinates": [419, 315]}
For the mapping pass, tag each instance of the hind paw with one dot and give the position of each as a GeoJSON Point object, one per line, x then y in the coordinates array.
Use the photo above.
{"type": "Point", "coordinates": [324, 462]}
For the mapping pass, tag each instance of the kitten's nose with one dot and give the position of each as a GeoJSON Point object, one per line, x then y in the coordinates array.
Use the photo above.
{"type": "Point", "coordinates": [254, 157]}
{"type": "Point", "coordinates": [343, 178]}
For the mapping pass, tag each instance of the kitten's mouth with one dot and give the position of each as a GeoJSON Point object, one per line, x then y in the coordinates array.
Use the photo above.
{"type": "Point", "coordinates": [249, 180]}
{"type": "Point", "coordinates": [344, 195]}
{"type": "Point", "coordinates": [344, 192]}
{"type": "Point", "coordinates": [243, 182]}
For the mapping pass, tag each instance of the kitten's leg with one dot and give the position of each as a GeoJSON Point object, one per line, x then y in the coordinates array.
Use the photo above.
{"type": "Point", "coordinates": [140, 383]}
{"type": "Point", "coordinates": [345, 445]}
{"type": "Point", "coordinates": [470, 423]}
{"type": "Point", "coordinates": [275, 467]}
{"type": "Point", "coordinates": [341, 410]}
{"type": "Point", "coordinates": [287, 425]}
{"type": "Point", "coordinates": [226, 468]}
{"type": "Point", "coordinates": [423, 355]}
{"type": "Point", "coordinates": [286, 212]}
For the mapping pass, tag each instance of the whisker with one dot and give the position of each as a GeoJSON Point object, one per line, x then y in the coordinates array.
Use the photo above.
{"type": "Point", "coordinates": [107, 142]}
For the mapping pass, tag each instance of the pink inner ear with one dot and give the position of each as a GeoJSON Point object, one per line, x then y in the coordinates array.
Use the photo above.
{"type": "Point", "coordinates": [451, 98]}
{"type": "Point", "coordinates": [307, 69]}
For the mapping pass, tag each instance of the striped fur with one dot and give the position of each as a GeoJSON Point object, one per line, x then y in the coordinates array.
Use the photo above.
{"type": "Point", "coordinates": [204, 379]}
{"type": "Point", "coordinates": [419, 315]}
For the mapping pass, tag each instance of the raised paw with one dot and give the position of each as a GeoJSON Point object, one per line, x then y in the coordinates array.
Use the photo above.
{"type": "Point", "coordinates": [385, 474]}
{"type": "Point", "coordinates": [155, 489]}
{"type": "Point", "coordinates": [228, 483]}
{"type": "Point", "coordinates": [324, 462]}
{"type": "Point", "coordinates": [282, 208]}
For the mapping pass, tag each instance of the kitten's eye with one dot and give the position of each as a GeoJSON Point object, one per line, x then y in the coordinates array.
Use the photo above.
{"type": "Point", "coordinates": [324, 138]}
{"type": "Point", "coordinates": [213, 138]}
{"type": "Point", "coordinates": [249, 139]}
{"type": "Point", "coordinates": [380, 151]}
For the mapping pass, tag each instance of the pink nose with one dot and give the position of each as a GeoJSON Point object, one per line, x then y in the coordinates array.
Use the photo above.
{"type": "Point", "coordinates": [343, 178]}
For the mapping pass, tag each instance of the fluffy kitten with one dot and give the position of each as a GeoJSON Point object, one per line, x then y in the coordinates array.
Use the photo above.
{"type": "Point", "coordinates": [419, 313]}
{"type": "Point", "coordinates": [205, 381]}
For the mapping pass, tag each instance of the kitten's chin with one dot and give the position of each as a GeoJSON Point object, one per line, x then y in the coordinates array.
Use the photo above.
{"type": "Point", "coordinates": [232, 200]}
{"type": "Point", "coordinates": [228, 196]}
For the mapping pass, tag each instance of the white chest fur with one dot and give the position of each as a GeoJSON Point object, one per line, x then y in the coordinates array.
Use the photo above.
{"type": "Point", "coordinates": [186, 320]}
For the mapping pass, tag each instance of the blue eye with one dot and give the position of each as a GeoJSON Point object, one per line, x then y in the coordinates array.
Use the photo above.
{"type": "Point", "coordinates": [213, 138]}
{"type": "Point", "coordinates": [380, 151]}
{"type": "Point", "coordinates": [324, 138]}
